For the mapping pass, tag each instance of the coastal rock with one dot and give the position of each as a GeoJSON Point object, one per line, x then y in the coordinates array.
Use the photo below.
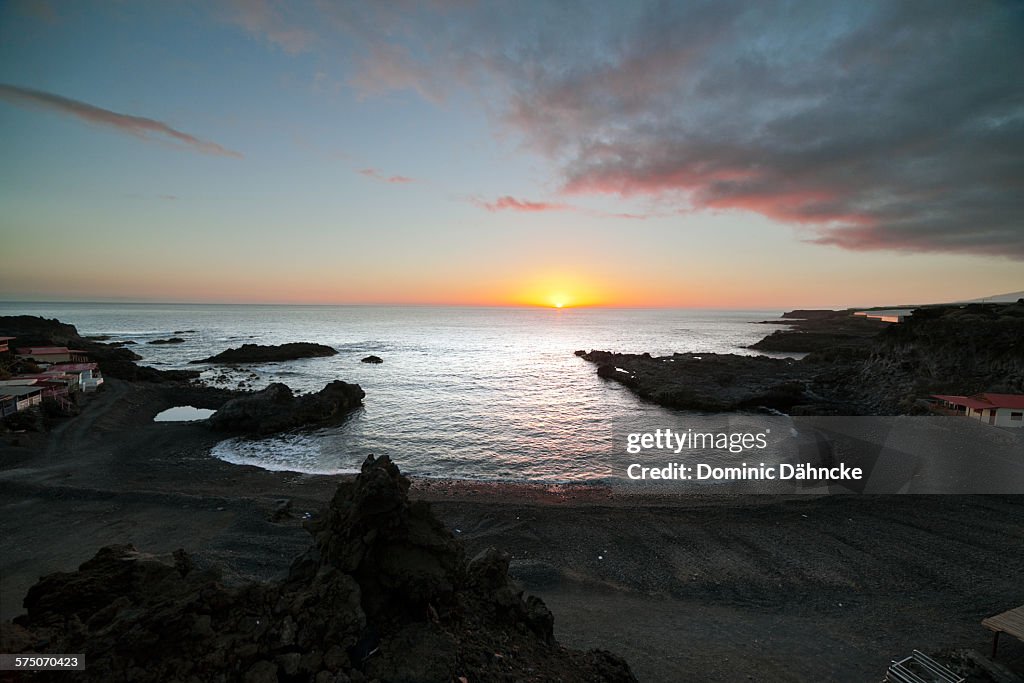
{"type": "Point", "coordinates": [372, 359]}
{"type": "Point", "coordinates": [277, 409]}
{"type": "Point", "coordinates": [127, 370]}
{"type": "Point", "coordinates": [171, 340]}
{"type": "Point", "coordinates": [384, 593]}
{"type": "Point", "coordinates": [257, 353]}
{"type": "Point", "coordinates": [821, 331]}
{"type": "Point", "coordinates": [711, 382]}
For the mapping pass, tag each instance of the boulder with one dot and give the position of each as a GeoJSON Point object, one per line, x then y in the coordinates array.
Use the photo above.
{"type": "Point", "coordinates": [258, 353]}
{"type": "Point", "coordinates": [277, 409]}
{"type": "Point", "coordinates": [372, 359]}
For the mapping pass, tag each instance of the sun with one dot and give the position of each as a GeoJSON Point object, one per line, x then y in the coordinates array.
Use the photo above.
{"type": "Point", "coordinates": [558, 304]}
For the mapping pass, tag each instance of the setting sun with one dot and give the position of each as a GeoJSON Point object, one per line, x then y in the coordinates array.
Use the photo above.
{"type": "Point", "coordinates": [561, 290]}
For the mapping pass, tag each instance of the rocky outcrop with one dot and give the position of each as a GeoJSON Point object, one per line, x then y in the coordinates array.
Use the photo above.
{"type": "Point", "coordinates": [708, 382]}
{"type": "Point", "coordinates": [170, 340]}
{"type": "Point", "coordinates": [855, 368]}
{"type": "Point", "coordinates": [384, 593]}
{"type": "Point", "coordinates": [34, 330]}
{"type": "Point", "coordinates": [258, 353]}
{"type": "Point", "coordinates": [372, 359]}
{"type": "Point", "coordinates": [277, 409]}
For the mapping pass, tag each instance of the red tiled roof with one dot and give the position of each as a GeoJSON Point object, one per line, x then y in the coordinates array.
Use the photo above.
{"type": "Point", "coordinates": [1005, 400]}
{"type": "Point", "coordinates": [72, 367]}
{"type": "Point", "coordinates": [984, 400]}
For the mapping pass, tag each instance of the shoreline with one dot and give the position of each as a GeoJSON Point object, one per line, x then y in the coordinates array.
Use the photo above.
{"type": "Point", "coordinates": [715, 587]}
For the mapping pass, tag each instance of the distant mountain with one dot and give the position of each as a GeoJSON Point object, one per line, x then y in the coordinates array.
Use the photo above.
{"type": "Point", "coordinates": [997, 299]}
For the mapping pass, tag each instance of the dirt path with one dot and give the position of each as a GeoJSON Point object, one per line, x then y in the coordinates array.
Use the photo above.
{"type": "Point", "coordinates": [67, 436]}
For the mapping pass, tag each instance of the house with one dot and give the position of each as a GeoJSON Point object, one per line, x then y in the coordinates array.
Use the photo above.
{"type": "Point", "coordinates": [70, 381]}
{"type": "Point", "coordinates": [52, 354]}
{"type": "Point", "coordinates": [5, 344]}
{"type": "Point", "coordinates": [89, 377]}
{"type": "Point", "coordinates": [52, 388]}
{"type": "Point", "coordinates": [896, 315]}
{"type": "Point", "coordinates": [14, 399]}
{"type": "Point", "coordinates": [1001, 410]}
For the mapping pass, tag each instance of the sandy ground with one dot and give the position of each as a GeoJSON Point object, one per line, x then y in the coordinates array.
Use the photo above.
{"type": "Point", "coordinates": [709, 589]}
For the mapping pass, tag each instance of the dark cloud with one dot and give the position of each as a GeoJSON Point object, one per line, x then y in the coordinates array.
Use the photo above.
{"type": "Point", "coordinates": [135, 125]}
{"type": "Point", "coordinates": [873, 125]}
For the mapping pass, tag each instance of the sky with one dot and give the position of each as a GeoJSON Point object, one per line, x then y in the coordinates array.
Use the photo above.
{"type": "Point", "coordinates": [726, 154]}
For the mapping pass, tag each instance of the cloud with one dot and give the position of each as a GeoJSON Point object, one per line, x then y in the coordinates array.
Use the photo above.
{"type": "Point", "coordinates": [263, 19]}
{"type": "Point", "coordinates": [508, 203]}
{"type": "Point", "coordinates": [873, 125]}
{"type": "Point", "coordinates": [149, 129]}
{"type": "Point", "coordinates": [376, 174]}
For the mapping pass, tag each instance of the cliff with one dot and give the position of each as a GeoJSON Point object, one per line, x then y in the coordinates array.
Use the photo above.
{"type": "Point", "coordinates": [947, 349]}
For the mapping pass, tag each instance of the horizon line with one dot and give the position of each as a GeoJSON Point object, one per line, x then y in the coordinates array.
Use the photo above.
{"type": "Point", "coordinates": [462, 305]}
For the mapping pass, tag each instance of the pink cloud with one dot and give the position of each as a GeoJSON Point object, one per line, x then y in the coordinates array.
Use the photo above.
{"type": "Point", "coordinates": [260, 18]}
{"type": "Point", "coordinates": [376, 174]}
{"type": "Point", "coordinates": [508, 203]}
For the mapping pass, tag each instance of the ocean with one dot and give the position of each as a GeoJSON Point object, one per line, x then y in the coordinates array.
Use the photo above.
{"type": "Point", "coordinates": [491, 394]}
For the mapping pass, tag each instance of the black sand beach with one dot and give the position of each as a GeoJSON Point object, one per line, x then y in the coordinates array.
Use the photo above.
{"type": "Point", "coordinates": [709, 588]}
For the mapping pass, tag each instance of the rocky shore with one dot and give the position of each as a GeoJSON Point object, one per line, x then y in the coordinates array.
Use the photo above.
{"type": "Point", "coordinates": [384, 593]}
{"type": "Point", "coordinates": [855, 366]}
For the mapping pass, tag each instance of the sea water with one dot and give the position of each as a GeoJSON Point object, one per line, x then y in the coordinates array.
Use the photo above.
{"type": "Point", "coordinates": [473, 393]}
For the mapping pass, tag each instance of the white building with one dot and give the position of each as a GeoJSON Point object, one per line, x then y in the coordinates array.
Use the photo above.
{"type": "Point", "coordinates": [1001, 410]}
{"type": "Point", "coordinates": [89, 377]}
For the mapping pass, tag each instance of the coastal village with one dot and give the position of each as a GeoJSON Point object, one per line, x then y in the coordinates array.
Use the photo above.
{"type": "Point", "coordinates": [33, 375]}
